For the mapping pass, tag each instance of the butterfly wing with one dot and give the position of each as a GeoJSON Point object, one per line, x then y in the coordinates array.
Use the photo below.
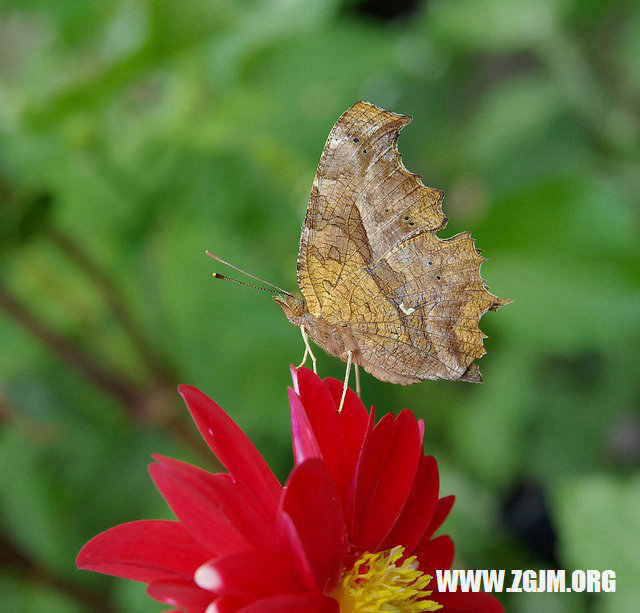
{"type": "Point", "coordinates": [434, 299]}
{"type": "Point", "coordinates": [369, 258]}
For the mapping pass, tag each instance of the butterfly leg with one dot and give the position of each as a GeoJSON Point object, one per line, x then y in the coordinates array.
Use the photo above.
{"type": "Point", "coordinates": [358, 390]}
{"type": "Point", "coordinates": [346, 381]}
{"type": "Point", "coordinates": [307, 351]}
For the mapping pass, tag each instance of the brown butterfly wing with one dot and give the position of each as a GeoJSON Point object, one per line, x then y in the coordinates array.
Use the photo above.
{"type": "Point", "coordinates": [369, 258]}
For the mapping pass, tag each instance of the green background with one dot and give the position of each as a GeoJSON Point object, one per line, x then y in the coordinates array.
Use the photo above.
{"type": "Point", "coordinates": [135, 134]}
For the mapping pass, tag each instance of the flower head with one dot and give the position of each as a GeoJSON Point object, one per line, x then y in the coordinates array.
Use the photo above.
{"type": "Point", "coordinates": [350, 531]}
{"type": "Point", "coordinates": [388, 486]}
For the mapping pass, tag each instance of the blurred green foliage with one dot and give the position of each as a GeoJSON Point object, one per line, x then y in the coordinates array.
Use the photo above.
{"type": "Point", "coordinates": [135, 134]}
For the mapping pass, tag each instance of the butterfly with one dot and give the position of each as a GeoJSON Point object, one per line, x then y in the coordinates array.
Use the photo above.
{"type": "Point", "coordinates": [380, 289]}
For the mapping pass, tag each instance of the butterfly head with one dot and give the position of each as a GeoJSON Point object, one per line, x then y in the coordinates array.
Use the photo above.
{"type": "Point", "coordinates": [294, 308]}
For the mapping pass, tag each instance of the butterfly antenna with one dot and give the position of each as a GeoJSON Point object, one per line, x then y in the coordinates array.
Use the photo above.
{"type": "Point", "coordinates": [216, 275]}
{"type": "Point", "coordinates": [244, 272]}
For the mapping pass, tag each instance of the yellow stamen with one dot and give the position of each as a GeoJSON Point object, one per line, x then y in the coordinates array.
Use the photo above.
{"type": "Point", "coordinates": [376, 583]}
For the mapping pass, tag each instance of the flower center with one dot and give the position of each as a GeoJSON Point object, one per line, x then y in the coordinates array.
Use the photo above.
{"type": "Point", "coordinates": [377, 583]}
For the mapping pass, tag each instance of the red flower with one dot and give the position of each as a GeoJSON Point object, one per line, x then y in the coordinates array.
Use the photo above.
{"type": "Point", "coordinates": [324, 543]}
{"type": "Point", "coordinates": [388, 487]}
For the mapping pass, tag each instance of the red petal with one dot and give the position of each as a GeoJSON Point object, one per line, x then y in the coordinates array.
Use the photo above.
{"type": "Point", "coordinates": [198, 508]}
{"type": "Point", "coordinates": [322, 413]}
{"type": "Point", "coordinates": [373, 451]}
{"type": "Point", "coordinates": [303, 440]}
{"type": "Point", "coordinates": [443, 508]}
{"type": "Point", "coordinates": [291, 541]}
{"type": "Point", "coordinates": [421, 428]}
{"type": "Point", "coordinates": [354, 422]}
{"type": "Point", "coordinates": [226, 604]}
{"type": "Point", "coordinates": [438, 555]}
{"type": "Point", "coordinates": [352, 403]}
{"type": "Point", "coordinates": [468, 602]}
{"type": "Point", "coordinates": [232, 447]}
{"type": "Point", "coordinates": [312, 502]}
{"type": "Point", "coordinates": [435, 555]}
{"type": "Point", "coordinates": [148, 550]}
{"type": "Point", "coordinates": [389, 471]}
{"type": "Point", "coordinates": [234, 501]}
{"type": "Point", "coordinates": [293, 603]}
{"type": "Point", "coordinates": [357, 478]}
{"type": "Point", "coordinates": [183, 594]}
{"type": "Point", "coordinates": [418, 511]}
{"type": "Point", "coordinates": [248, 575]}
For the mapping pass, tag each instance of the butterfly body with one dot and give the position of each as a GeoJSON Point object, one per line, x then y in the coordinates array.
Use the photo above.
{"type": "Point", "coordinates": [377, 281]}
{"type": "Point", "coordinates": [336, 339]}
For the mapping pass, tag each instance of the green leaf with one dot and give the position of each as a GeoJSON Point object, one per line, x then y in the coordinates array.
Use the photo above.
{"type": "Point", "coordinates": [599, 521]}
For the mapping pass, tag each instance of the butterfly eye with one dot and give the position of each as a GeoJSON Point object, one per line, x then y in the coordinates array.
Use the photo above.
{"type": "Point", "coordinates": [438, 277]}
{"type": "Point", "coordinates": [406, 218]}
{"type": "Point", "coordinates": [356, 140]}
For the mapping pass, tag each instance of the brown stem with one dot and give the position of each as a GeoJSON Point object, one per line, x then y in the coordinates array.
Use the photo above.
{"type": "Point", "coordinates": [11, 557]}
{"type": "Point", "coordinates": [133, 399]}
{"type": "Point", "coordinates": [5, 411]}
{"type": "Point", "coordinates": [114, 299]}
{"type": "Point", "coordinates": [117, 386]}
